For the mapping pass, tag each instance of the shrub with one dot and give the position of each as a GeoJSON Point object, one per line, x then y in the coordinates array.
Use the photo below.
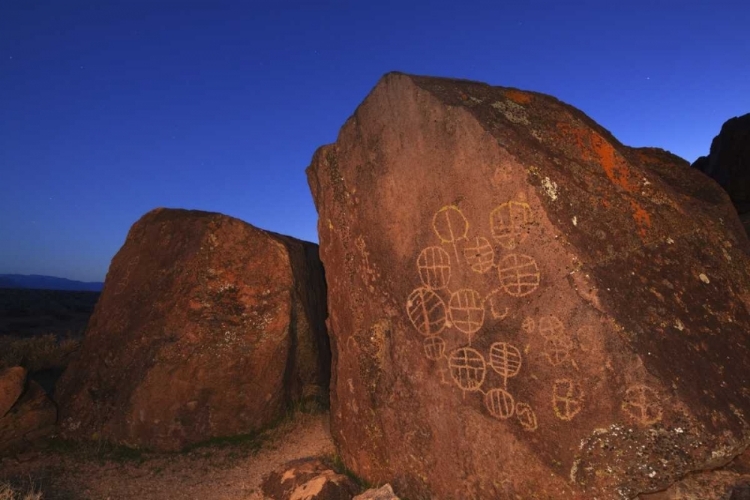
{"type": "Point", "coordinates": [7, 492]}
{"type": "Point", "coordinates": [42, 352]}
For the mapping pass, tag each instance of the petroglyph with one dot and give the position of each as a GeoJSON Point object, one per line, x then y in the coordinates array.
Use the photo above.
{"type": "Point", "coordinates": [499, 403]}
{"type": "Point", "coordinates": [451, 226]}
{"type": "Point", "coordinates": [434, 265]}
{"type": "Point", "coordinates": [497, 311]}
{"type": "Point", "coordinates": [508, 223]}
{"type": "Point", "coordinates": [567, 399]}
{"type": "Point", "coordinates": [526, 416]}
{"type": "Point", "coordinates": [551, 327]}
{"type": "Point", "coordinates": [557, 350]}
{"type": "Point", "coordinates": [466, 311]}
{"type": "Point", "coordinates": [467, 368]}
{"type": "Point", "coordinates": [505, 359]}
{"type": "Point", "coordinates": [641, 403]}
{"type": "Point", "coordinates": [519, 274]}
{"type": "Point", "coordinates": [434, 348]}
{"type": "Point", "coordinates": [528, 325]}
{"type": "Point", "coordinates": [479, 255]}
{"type": "Point", "coordinates": [426, 311]}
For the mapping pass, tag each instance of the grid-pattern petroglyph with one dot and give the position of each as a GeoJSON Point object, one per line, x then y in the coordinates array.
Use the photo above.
{"type": "Point", "coordinates": [466, 310]}
{"type": "Point", "coordinates": [526, 416]}
{"type": "Point", "coordinates": [505, 359]}
{"type": "Point", "coordinates": [451, 226]}
{"type": "Point", "coordinates": [557, 350]}
{"type": "Point", "coordinates": [434, 348]}
{"type": "Point", "coordinates": [480, 255]}
{"type": "Point", "coordinates": [567, 399]}
{"type": "Point", "coordinates": [434, 266]}
{"type": "Point", "coordinates": [528, 325]}
{"type": "Point", "coordinates": [508, 223]}
{"type": "Point", "coordinates": [551, 327]}
{"type": "Point", "coordinates": [426, 311]}
{"type": "Point", "coordinates": [467, 368]}
{"type": "Point", "coordinates": [499, 403]}
{"type": "Point", "coordinates": [519, 275]}
{"type": "Point", "coordinates": [442, 310]}
{"type": "Point", "coordinates": [641, 403]}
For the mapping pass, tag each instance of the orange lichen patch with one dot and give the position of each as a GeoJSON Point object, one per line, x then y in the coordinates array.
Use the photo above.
{"type": "Point", "coordinates": [641, 217]}
{"type": "Point", "coordinates": [518, 97]}
{"type": "Point", "coordinates": [612, 162]}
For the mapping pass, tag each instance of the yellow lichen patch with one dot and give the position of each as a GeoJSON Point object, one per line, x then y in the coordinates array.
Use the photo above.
{"type": "Point", "coordinates": [518, 96]}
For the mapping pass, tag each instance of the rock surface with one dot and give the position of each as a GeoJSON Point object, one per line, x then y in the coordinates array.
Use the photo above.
{"type": "Point", "coordinates": [308, 479]}
{"type": "Point", "coordinates": [382, 493]}
{"type": "Point", "coordinates": [31, 418]}
{"type": "Point", "coordinates": [206, 327]}
{"type": "Point", "coordinates": [728, 163]}
{"type": "Point", "coordinates": [521, 306]}
{"type": "Point", "coordinates": [12, 382]}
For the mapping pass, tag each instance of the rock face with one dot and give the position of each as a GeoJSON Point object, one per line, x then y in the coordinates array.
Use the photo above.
{"type": "Point", "coordinates": [206, 327]}
{"type": "Point", "coordinates": [308, 479]}
{"type": "Point", "coordinates": [32, 417]}
{"type": "Point", "coordinates": [382, 493]}
{"type": "Point", "coordinates": [12, 382]}
{"type": "Point", "coordinates": [729, 163]}
{"type": "Point", "coordinates": [522, 307]}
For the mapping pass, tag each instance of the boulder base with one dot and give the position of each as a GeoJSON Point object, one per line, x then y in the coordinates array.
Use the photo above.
{"type": "Point", "coordinates": [12, 383]}
{"type": "Point", "coordinates": [206, 327]}
{"type": "Point", "coordinates": [308, 479]}
{"type": "Point", "coordinates": [32, 417]}
{"type": "Point", "coordinates": [522, 307]}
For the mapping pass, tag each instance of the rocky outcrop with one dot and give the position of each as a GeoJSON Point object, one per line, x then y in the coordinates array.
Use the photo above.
{"type": "Point", "coordinates": [12, 382]}
{"type": "Point", "coordinates": [382, 493]}
{"type": "Point", "coordinates": [520, 306]}
{"type": "Point", "coordinates": [308, 479]}
{"type": "Point", "coordinates": [31, 418]}
{"type": "Point", "coordinates": [728, 163]}
{"type": "Point", "coordinates": [206, 327]}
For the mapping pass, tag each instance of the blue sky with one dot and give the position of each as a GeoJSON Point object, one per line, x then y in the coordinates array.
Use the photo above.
{"type": "Point", "coordinates": [111, 108]}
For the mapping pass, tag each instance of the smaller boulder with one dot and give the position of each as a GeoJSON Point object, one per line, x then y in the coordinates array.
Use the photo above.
{"type": "Point", "coordinates": [12, 381]}
{"type": "Point", "coordinates": [382, 493]}
{"type": "Point", "coordinates": [31, 418]}
{"type": "Point", "coordinates": [308, 479]}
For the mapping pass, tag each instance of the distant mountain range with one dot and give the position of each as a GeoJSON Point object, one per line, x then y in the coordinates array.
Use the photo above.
{"type": "Point", "coordinates": [39, 282]}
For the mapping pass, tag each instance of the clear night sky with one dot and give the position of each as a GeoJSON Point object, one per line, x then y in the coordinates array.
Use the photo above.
{"type": "Point", "coordinates": [111, 108]}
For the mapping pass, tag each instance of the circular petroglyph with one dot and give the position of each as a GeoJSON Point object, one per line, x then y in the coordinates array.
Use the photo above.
{"type": "Point", "coordinates": [551, 327]}
{"type": "Point", "coordinates": [467, 368]}
{"type": "Point", "coordinates": [526, 416]}
{"type": "Point", "coordinates": [466, 310]}
{"type": "Point", "coordinates": [479, 255]}
{"type": "Point", "coordinates": [528, 325]}
{"type": "Point", "coordinates": [434, 265]}
{"type": "Point", "coordinates": [434, 348]}
{"type": "Point", "coordinates": [567, 399]}
{"type": "Point", "coordinates": [505, 359]}
{"type": "Point", "coordinates": [508, 223]}
{"type": "Point", "coordinates": [519, 274]}
{"type": "Point", "coordinates": [641, 403]}
{"type": "Point", "coordinates": [426, 311]}
{"type": "Point", "coordinates": [499, 403]}
{"type": "Point", "coordinates": [557, 350]}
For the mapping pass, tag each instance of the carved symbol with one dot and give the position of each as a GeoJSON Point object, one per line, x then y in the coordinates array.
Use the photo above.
{"type": "Point", "coordinates": [466, 310]}
{"type": "Point", "coordinates": [496, 310]}
{"type": "Point", "coordinates": [426, 311]}
{"type": "Point", "coordinates": [467, 368]}
{"type": "Point", "coordinates": [528, 325]}
{"type": "Point", "coordinates": [499, 403]}
{"type": "Point", "coordinates": [508, 223]}
{"type": "Point", "coordinates": [567, 399]}
{"type": "Point", "coordinates": [526, 416]}
{"type": "Point", "coordinates": [479, 255]}
{"type": "Point", "coordinates": [519, 274]}
{"type": "Point", "coordinates": [557, 350]}
{"type": "Point", "coordinates": [434, 265]}
{"type": "Point", "coordinates": [505, 359]}
{"type": "Point", "coordinates": [434, 348]}
{"type": "Point", "coordinates": [451, 226]}
{"type": "Point", "coordinates": [642, 404]}
{"type": "Point", "coordinates": [550, 327]}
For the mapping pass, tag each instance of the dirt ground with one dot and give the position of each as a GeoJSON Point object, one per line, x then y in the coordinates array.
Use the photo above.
{"type": "Point", "coordinates": [228, 471]}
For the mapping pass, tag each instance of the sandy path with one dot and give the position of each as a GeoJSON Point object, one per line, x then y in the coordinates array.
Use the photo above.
{"type": "Point", "coordinates": [232, 472]}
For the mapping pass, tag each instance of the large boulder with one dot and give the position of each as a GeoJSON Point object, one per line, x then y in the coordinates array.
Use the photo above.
{"type": "Point", "coordinates": [12, 383]}
{"type": "Point", "coordinates": [31, 418]}
{"type": "Point", "coordinates": [522, 307]}
{"type": "Point", "coordinates": [206, 327]}
{"type": "Point", "coordinates": [728, 163]}
{"type": "Point", "coordinates": [308, 479]}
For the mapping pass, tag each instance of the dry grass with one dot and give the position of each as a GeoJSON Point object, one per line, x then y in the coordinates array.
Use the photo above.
{"type": "Point", "coordinates": [42, 352]}
{"type": "Point", "coordinates": [7, 492]}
